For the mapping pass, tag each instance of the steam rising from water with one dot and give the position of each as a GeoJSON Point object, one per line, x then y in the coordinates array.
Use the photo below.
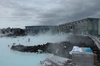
{"type": "Point", "coordinates": [41, 39]}
{"type": "Point", "coordinates": [14, 58]}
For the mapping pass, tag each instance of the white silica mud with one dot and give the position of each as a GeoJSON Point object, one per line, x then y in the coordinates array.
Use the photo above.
{"type": "Point", "coordinates": [14, 58]}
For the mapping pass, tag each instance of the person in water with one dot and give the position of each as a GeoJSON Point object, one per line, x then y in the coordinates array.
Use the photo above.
{"type": "Point", "coordinates": [28, 39]}
{"type": "Point", "coordinates": [8, 46]}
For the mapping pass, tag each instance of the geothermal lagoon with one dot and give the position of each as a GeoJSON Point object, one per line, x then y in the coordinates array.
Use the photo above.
{"type": "Point", "coordinates": [9, 57]}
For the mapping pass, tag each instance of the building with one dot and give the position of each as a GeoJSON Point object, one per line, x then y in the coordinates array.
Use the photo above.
{"type": "Point", "coordinates": [38, 29]}
{"type": "Point", "coordinates": [85, 26]}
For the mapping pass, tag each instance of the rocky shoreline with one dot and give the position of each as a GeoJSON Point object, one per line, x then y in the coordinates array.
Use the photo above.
{"type": "Point", "coordinates": [55, 48]}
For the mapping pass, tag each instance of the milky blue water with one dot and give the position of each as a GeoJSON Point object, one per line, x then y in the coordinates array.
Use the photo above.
{"type": "Point", "coordinates": [15, 58]}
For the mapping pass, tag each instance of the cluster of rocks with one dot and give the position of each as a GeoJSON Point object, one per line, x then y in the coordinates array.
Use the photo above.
{"type": "Point", "coordinates": [46, 48]}
{"type": "Point", "coordinates": [34, 49]}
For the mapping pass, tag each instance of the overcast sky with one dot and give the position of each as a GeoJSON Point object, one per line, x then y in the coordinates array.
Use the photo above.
{"type": "Point", "coordinates": [20, 13]}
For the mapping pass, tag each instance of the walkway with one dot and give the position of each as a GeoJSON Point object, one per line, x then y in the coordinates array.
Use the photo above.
{"type": "Point", "coordinates": [96, 40]}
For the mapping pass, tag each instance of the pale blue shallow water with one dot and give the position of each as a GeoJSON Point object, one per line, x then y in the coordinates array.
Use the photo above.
{"type": "Point", "coordinates": [15, 58]}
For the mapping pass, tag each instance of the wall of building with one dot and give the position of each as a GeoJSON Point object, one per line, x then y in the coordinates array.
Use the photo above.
{"type": "Point", "coordinates": [81, 27]}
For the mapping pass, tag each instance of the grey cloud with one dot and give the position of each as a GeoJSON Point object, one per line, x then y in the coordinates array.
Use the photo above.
{"type": "Point", "coordinates": [47, 12]}
{"type": "Point", "coordinates": [73, 11]}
